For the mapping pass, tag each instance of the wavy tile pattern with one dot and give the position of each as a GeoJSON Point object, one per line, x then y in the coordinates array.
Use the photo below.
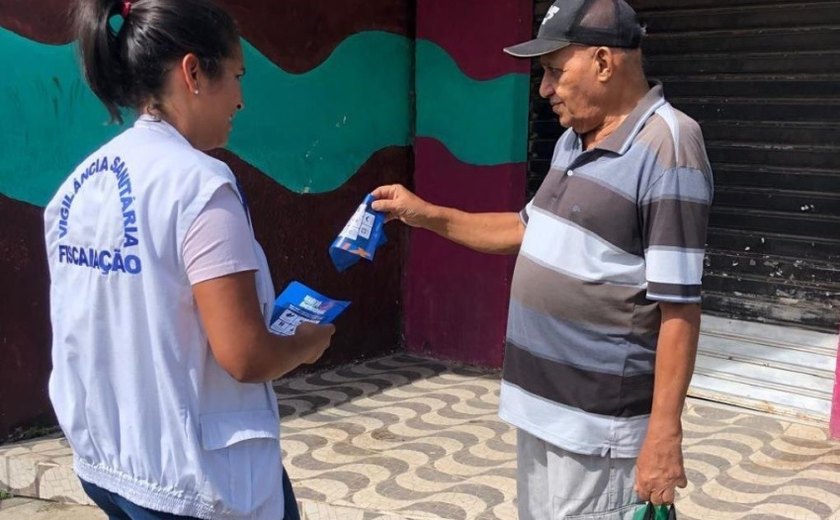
{"type": "Point", "coordinates": [421, 438]}
{"type": "Point", "coordinates": [400, 435]}
{"type": "Point", "coordinates": [746, 466]}
{"type": "Point", "coordinates": [408, 438]}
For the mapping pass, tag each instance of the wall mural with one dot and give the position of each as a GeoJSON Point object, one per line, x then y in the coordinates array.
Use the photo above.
{"type": "Point", "coordinates": [481, 122]}
{"type": "Point", "coordinates": [310, 132]}
{"type": "Point", "coordinates": [327, 118]}
{"type": "Point", "coordinates": [339, 99]}
{"type": "Point", "coordinates": [472, 118]}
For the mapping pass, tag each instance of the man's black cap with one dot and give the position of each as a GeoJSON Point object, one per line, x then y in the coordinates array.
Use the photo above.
{"type": "Point", "coordinates": [599, 23]}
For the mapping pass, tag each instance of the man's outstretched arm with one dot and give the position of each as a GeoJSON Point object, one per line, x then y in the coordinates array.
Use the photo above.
{"type": "Point", "coordinates": [495, 233]}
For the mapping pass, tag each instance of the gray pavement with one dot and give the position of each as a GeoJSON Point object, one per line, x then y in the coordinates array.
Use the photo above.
{"type": "Point", "coordinates": [30, 509]}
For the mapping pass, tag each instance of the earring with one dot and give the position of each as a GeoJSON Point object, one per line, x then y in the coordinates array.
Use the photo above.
{"type": "Point", "coordinates": [153, 111]}
{"type": "Point", "coordinates": [196, 92]}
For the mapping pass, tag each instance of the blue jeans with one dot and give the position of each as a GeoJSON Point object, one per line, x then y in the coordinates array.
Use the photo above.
{"type": "Point", "coordinates": [118, 508]}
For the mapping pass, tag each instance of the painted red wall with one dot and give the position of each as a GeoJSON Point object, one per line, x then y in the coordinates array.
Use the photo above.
{"type": "Point", "coordinates": [456, 300]}
{"type": "Point", "coordinates": [24, 318]}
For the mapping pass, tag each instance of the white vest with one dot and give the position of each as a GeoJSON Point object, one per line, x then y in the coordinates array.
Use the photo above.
{"type": "Point", "coordinates": [149, 413]}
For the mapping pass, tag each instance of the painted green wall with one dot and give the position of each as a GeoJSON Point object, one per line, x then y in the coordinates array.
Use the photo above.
{"type": "Point", "coordinates": [481, 122]}
{"type": "Point", "coordinates": [309, 132]}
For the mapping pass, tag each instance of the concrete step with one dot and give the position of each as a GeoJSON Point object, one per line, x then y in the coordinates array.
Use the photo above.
{"type": "Point", "coordinates": [764, 367]}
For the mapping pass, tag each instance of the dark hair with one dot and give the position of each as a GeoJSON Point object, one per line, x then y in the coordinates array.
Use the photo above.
{"type": "Point", "coordinates": [127, 66]}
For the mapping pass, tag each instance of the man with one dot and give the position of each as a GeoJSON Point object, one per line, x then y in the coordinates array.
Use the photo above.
{"type": "Point", "coordinates": [606, 289]}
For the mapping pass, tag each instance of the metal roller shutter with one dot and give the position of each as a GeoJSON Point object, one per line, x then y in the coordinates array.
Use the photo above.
{"type": "Point", "coordinates": [763, 80]}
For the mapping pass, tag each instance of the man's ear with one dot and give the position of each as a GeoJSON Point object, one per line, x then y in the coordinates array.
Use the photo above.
{"type": "Point", "coordinates": [605, 63]}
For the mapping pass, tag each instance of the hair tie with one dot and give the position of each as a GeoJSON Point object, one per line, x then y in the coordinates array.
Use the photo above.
{"type": "Point", "coordinates": [126, 9]}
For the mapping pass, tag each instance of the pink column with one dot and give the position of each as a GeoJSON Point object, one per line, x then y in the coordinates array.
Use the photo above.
{"type": "Point", "coordinates": [834, 422]}
{"type": "Point", "coordinates": [456, 300]}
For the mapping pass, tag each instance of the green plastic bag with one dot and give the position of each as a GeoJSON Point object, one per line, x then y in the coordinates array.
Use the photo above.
{"type": "Point", "coordinates": [652, 512]}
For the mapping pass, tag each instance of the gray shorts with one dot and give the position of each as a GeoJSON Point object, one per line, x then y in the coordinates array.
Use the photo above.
{"type": "Point", "coordinates": [554, 484]}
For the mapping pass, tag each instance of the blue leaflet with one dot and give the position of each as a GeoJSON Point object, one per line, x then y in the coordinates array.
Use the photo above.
{"type": "Point", "coordinates": [297, 304]}
{"type": "Point", "coordinates": [360, 237]}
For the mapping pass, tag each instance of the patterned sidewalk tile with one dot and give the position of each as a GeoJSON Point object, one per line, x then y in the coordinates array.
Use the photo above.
{"type": "Point", "coordinates": [401, 435]}
{"type": "Point", "coordinates": [420, 438]}
{"type": "Point", "coordinates": [41, 469]}
{"type": "Point", "coordinates": [408, 438]}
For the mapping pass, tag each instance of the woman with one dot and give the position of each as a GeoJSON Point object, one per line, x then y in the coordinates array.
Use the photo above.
{"type": "Point", "coordinates": [160, 295]}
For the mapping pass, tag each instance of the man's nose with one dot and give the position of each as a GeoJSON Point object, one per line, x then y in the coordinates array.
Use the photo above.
{"type": "Point", "coordinates": [546, 87]}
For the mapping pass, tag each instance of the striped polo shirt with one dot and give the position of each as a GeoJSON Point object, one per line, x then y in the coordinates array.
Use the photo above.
{"type": "Point", "coordinates": [611, 232]}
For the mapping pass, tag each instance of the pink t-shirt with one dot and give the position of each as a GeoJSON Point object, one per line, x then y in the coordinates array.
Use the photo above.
{"type": "Point", "coordinates": [219, 242]}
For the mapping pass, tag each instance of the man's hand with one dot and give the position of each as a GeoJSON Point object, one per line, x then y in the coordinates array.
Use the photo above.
{"type": "Point", "coordinates": [660, 469]}
{"type": "Point", "coordinates": [495, 233]}
{"type": "Point", "coordinates": [315, 338]}
{"type": "Point", "coordinates": [398, 203]}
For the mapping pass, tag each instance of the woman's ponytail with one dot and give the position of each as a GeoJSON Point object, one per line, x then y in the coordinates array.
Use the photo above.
{"type": "Point", "coordinates": [100, 52]}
